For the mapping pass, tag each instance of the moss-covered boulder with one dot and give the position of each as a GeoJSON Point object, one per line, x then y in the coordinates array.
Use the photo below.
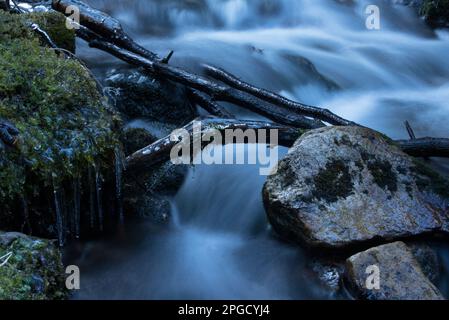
{"type": "Point", "coordinates": [340, 186]}
{"type": "Point", "coordinates": [65, 128]}
{"type": "Point", "coordinates": [436, 13]}
{"type": "Point", "coordinates": [31, 269]}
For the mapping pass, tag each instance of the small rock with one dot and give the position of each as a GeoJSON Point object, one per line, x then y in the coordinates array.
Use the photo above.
{"type": "Point", "coordinates": [339, 186]}
{"type": "Point", "coordinates": [400, 275]}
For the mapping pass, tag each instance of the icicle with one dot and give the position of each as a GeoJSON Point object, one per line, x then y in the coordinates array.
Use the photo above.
{"type": "Point", "coordinates": [76, 207]}
{"type": "Point", "coordinates": [91, 198]}
{"type": "Point", "coordinates": [118, 182]}
{"type": "Point", "coordinates": [99, 186]}
{"type": "Point", "coordinates": [59, 222]}
{"type": "Point", "coordinates": [26, 216]}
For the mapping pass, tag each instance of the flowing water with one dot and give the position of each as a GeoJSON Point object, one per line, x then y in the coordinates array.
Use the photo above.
{"type": "Point", "coordinates": [219, 245]}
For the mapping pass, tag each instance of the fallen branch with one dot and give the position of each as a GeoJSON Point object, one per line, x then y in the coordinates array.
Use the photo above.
{"type": "Point", "coordinates": [159, 151]}
{"type": "Point", "coordinates": [218, 92]}
{"type": "Point", "coordinates": [309, 111]}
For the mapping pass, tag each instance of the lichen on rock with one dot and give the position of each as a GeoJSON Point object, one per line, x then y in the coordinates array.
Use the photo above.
{"type": "Point", "coordinates": [341, 186]}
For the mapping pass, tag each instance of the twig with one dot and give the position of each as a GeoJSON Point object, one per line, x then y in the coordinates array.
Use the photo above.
{"type": "Point", "coordinates": [5, 258]}
{"type": "Point", "coordinates": [410, 131]}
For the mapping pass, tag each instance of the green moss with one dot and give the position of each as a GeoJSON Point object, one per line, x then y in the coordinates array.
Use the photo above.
{"type": "Point", "coordinates": [426, 178]}
{"type": "Point", "coordinates": [63, 119]}
{"type": "Point", "coordinates": [383, 174]}
{"type": "Point", "coordinates": [34, 271]}
{"type": "Point", "coordinates": [333, 182]}
{"type": "Point", "coordinates": [17, 26]}
{"type": "Point", "coordinates": [436, 12]}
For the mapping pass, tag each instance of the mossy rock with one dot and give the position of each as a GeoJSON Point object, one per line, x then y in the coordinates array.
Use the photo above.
{"type": "Point", "coordinates": [346, 186]}
{"type": "Point", "coordinates": [13, 26]}
{"type": "Point", "coordinates": [65, 123]}
{"type": "Point", "coordinates": [33, 272]}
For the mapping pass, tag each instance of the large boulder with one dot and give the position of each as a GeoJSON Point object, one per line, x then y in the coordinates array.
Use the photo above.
{"type": "Point", "coordinates": [33, 271]}
{"type": "Point", "coordinates": [344, 185]}
{"type": "Point", "coordinates": [399, 274]}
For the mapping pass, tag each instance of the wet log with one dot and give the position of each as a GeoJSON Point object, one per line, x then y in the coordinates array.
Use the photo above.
{"type": "Point", "coordinates": [159, 151]}
{"type": "Point", "coordinates": [103, 25]}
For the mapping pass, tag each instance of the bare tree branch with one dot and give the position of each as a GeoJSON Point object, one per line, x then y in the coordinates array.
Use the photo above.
{"type": "Point", "coordinates": [218, 92]}
{"type": "Point", "coordinates": [159, 151]}
{"type": "Point", "coordinates": [310, 111]}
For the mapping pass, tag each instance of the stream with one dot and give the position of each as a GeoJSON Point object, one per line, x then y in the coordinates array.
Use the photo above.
{"type": "Point", "coordinates": [218, 244]}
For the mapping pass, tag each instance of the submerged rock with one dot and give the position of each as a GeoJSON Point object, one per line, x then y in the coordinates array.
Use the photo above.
{"type": "Point", "coordinates": [399, 274]}
{"type": "Point", "coordinates": [137, 95]}
{"type": "Point", "coordinates": [33, 271]}
{"type": "Point", "coordinates": [339, 186]}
